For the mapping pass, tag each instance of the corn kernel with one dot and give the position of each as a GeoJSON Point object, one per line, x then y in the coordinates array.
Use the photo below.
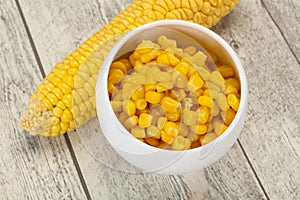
{"type": "Point", "coordinates": [205, 101]}
{"type": "Point", "coordinates": [152, 142]}
{"type": "Point", "coordinates": [115, 75]}
{"type": "Point", "coordinates": [234, 82]}
{"type": "Point", "coordinates": [61, 105]}
{"type": "Point", "coordinates": [233, 101]}
{"type": "Point", "coordinates": [145, 120]}
{"type": "Point", "coordinates": [229, 89]}
{"type": "Point", "coordinates": [173, 60]}
{"type": "Point", "coordinates": [119, 65]}
{"type": "Point", "coordinates": [153, 97]}
{"type": "Point", "coordinates": [138, 132]}
{"type": "Point", "coordinates": [116, 106]}
{"type": "Point", "coordinates": [57, 112]}
{"type": "Point", "coordinates": [183, 68]}
{"type": "Point", "coordinates": [122, 116]}
{"type": "Point", "coordinates": [204, 113]}
{"type": "Point", "coordinates": [190, 117]}
{"type": "Point", "coordinates": [199, 129]}
{"type": "Point", "coordinates": [226, 71]}
{"type": "Point", "coordinates": [190, 50]}
{"type": "Point", "coordinates": [171, 128]}
{"type": "Point", "coordinates": [161, 122]}
{"type": "Point", "coordinates": [130, 122]}
{"type": "Point", "coordinates": [66, 116]}
{"type": "Point", "coordinates": [195, 82]}
{"type": "Point", "coordinates": [161, 88]}
{"type": "Point", "coordinates": [58, 93]}
{"type": "Point", "coordinates": [152, 131]}
{"type": "Point", "coordinates": [166, 138]}
{"type": "Point", "coordinates": [215, 110]}
{"type": "Point", "coordinates": [138, 93]}
{"type": "Point", "coordinates": [64, 126]}
{"type": "Point", "coordinates": [181, 143]}
{"type": "Point", "coordinates": [219, 126]}
{"type": "Point", "coordinates": [141, 104]}
{"type": "Point", "coordinates": [173, 116]}
{"type": "Point", "coordinates": [211, 93]}
{"type": "Point", "coordinates": [207, 138]}
{"type": "Point", "coordinates": [150, 87]}
{"type": "Point", "coordinates": [68, 100]}
{"type": "Point", "coordinates": [170, 105]}
{"type": "Point", "coordinates": [129, 107]}
{"type": "Point", "coordinates": [163, 59]}
{"type": "Point", "coordinates": [228, 116]}
{"type": "Point", "coordinates": [55, 129]}
{"type": "Point", "coordinates": [222, 102]}
{"type": "Point", "coordinates": [217, 78]}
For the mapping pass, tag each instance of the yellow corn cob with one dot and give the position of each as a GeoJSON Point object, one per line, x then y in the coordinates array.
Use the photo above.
{"type": "Point", "coordinates": [66, 96]}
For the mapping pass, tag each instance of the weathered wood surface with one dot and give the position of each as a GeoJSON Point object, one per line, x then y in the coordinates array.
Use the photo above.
{"type": "Point", "coordinates": [286, 15]}
{"type": "Point", "coordinates": [262, 165]}
{"type": "Point", "coordinates": [30, 167]}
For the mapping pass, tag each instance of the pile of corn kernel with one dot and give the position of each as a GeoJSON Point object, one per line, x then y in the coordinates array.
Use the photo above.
{"type": "Point", "coordinates": [173, 98]}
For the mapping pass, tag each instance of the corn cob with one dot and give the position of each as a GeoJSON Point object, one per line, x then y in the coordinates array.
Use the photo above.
{"type": "Point", "coordinates": [66, 96]}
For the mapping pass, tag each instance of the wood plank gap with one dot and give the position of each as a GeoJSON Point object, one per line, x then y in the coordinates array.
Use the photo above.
{"type": "Point", "coordinates": [76, 163]}
{"type": "Point", "coordinates": [253, 170]}
{"type": "Point", "coordinates": [30, 39]}
{"type": "Point", "coordinates": [281, 33]}
{"type": "Point", "coordinates": [72, 153]}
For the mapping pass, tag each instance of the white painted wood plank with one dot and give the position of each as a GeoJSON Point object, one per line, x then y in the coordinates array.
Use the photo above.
{"type": "Point", "coordinates": [271, 135]}
{"type": "Point", "coordinates": [286, 15]}
{"type": "Point", "coordinates": [55, 37]}
{"type": "Point", "coordinates": [30, 167]}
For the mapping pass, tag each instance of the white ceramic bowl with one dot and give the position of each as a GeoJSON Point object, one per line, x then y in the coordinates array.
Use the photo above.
{"type": "Point", "coordinates": [146, 157]}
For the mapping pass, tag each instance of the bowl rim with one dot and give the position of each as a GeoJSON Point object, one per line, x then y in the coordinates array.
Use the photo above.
{"type": "Point", "coordinates": [103, 73]}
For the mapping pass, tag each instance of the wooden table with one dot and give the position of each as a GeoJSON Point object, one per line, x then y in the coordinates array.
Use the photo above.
{"type": "Point", "coordinates": [263, 164]}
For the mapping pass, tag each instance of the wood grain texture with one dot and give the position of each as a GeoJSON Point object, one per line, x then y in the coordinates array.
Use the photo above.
{"type": "Point", "coordinates": [30, 167]}
{"type": "Point", "coordinates": [70, 23]}
{"type": "Point", "coordinates": [271, 137]}
{"type": "Point", "coordinates": [287, 18]}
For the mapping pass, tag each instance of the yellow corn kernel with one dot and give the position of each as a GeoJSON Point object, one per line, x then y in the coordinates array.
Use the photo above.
{"type": "Point", "coordinates": [215, 110]}
{"type": "Point", "coordinates": [130, 122]}
{"type": "Point", "coordinates": [61, 105]}
{"type": "Point", "coordinates": [161, 88]}
{"type": "Point", "coordinates": [219, 126]}
{"type": "Point", "coordinates": [116, 106]}
{"type": "Point", "coordinates": [181, 143]}
{"type": "Point", "coordinates": [140, 104]}
{"type": "Point", "coordinates": [66, 116]}
{"type": "Point", "coordinates": [207, 138]}
{"type": "Point", "coordinates": [173, 116]}
{"type": "Point", "coordinates": [153, 97]}
{"type": "Point", "coordinates": [157, 111]}
{"type": "Point", "coordinates": [166, 138]}
{"type": "Point", "coordinates": [138, 93]}
{"type": "Point", "coordinates": [152, 131]}
{"type": "Point", "coordinates": [171, 128]}
{"type": "Point", "coordinates": [110, 87]}
{"type": "Point", "coordinates": [65, 88]}
{"type": "Point", "coordinates": [205, 101]}
{"type": "Point", "coordinates": [58, 93]}
{"type": "Point", "coordinates": [47, 103]}
{"type": "Point", "coordinates": [234, 82]}
{"type": "Point", "coordinates": [163, 59]}
{"type": "Point", "coordinates": [122, 116]}
{"type": "Point", "coordinates": [57, 112]}
{"type": "Point", "coordinates": [150, 87]}
{"type": "Point", "coordinates": [170, 105]}
{"type": "Point", "coordinates": [55, 129]}
{"type": "Point", "coordinates": [228, 116]}
{"type": "Point", "coordinates": [127, 63]}
{"type": "Point", "coordinates": [183, 68]}
{"type": "Point", "coordinates": [233, 101]}
{"type": "Point", "coordinates": [222, 102]}
{"type": "Point", "coordinates": [68, 100]}
{"type": "Point", "coordinates": [190, 50]}
{"type": "Point", "coordinates": [195, 144]}
{"type": "Point", "coordinates": [216, 78]}
{"type": "Point", "coordinates": [204, 114]}
{"type": "Point", "coordinates": [153, 142]}
{"type": "Point", "coordinates": [138, 132]}
{"type": "Point", "coordinates": [55, 120]}
{"type": "Point", "coordinates": [226, 71]}
{"type": "Point", "coordinates": [229, 89]}
{"type": "Point", "coordinates": [193, 137]}
{"type": "Point", "coordinates": [211, 93]}
{"type": "Point", "coordinates": [119, 65]}
{"type": "Point", "coordinates": [190, 117]}
{"type": "Point", "coordinates": [199, 129]}
{"type": "Point", "coordinates": [145, 120]}
{"type": "Point", "coordinates": [129, 107]}
{"type": "Point", "coordinates": [195, 82]}
{"type": "Point", "coordinates": [161, 122]}
{"type": "Point", "coordinates": [115, 75]}
{"type": "Point", "coordinates": [64, 126]}
{"type": "Point", "coordinates": [173, 60]}
{"type": "Point", "coordinates": [139, 112]}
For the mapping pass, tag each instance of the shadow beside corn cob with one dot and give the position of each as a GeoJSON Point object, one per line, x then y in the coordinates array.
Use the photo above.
{"type": "Point", "coordinates": [67, 95]}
